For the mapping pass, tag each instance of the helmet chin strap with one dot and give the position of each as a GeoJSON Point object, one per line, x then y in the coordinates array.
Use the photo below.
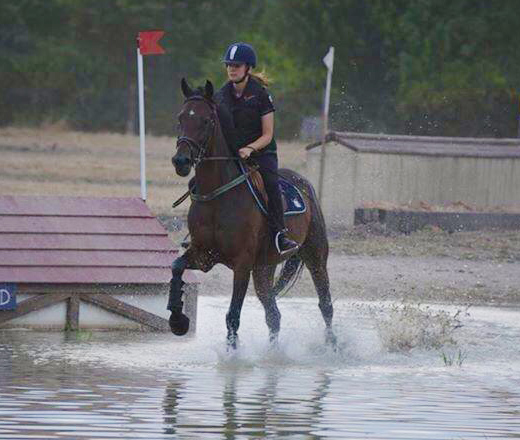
{"type": "Point", "coordinates": [241, 80]}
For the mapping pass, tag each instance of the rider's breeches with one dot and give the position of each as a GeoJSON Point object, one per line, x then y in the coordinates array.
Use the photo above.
{"type": "Point", "coordinates": [269, 169]}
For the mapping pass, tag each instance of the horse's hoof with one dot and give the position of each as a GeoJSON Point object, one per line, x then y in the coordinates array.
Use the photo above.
{"type": "Point", "coordinates": [330, 339]}
{"type": "Point", "coordinates": [179, 324]}
{"type": "Point", "coordinates": [232, 343]}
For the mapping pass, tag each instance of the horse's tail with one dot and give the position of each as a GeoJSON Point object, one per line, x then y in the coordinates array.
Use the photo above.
{"type": "Point", "coordinates": [291, 272]}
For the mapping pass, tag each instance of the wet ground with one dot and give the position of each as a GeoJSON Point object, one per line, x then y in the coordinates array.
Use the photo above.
{"type": "Point", "coordinates": [400, 372]}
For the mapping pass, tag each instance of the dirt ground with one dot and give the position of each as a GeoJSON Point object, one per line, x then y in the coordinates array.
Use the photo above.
{"type": "Point", "coordinates": [429, 266]}
{"type": "Point", "coordinates": [365, 262]}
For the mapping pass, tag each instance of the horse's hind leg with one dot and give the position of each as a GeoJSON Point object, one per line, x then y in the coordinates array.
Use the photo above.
{"type": "Point", "coordinates": [315, 256]}
{"type": "Point", "coordinates": [263, 278]}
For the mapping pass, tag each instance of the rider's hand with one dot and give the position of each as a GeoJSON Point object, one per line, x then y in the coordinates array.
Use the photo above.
{"type": "Point", "coordinates": [245, 152]}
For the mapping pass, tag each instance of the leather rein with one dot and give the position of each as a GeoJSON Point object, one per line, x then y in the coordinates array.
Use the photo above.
{"type": "Point", "coordinates": [200, 157]}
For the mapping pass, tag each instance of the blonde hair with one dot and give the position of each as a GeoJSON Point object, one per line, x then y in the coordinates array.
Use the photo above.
{"type": "Point", "coordinates": [261, 77]}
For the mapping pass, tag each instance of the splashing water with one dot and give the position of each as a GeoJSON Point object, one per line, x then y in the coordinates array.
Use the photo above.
{"type": "Point", "coordinates": [407, 326]}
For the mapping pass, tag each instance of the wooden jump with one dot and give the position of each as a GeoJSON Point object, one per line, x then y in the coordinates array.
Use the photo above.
{"type": "Point", "coordinates": [85, 250]}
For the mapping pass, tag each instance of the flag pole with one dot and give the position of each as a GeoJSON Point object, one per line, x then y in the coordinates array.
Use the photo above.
{"type": "Point", "coordinates": [147, 44]}
{"type": "Point", "coordinates": [140, 82]}
{"type": "Point", "coordinates": [329, 62]}
{"type": "Point", "coordinates": [519, 116]}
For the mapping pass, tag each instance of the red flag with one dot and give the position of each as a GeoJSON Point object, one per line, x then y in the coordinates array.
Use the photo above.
{"type": "Point", "coordinates": [148, 42]}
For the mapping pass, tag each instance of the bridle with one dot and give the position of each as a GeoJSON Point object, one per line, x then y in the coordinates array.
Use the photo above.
{"type": "Point", "coordinates": [192, 144]}
{"type": "Point", "coordinates": [200, 156]}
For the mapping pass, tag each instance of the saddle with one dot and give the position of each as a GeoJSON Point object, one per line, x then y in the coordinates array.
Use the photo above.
{"type": "Point", "coordinates": [292, 200]}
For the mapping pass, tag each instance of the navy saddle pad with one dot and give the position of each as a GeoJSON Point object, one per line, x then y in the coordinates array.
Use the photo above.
{"type": "Point", "coordinates": [293, 198]}
{"type": "Point", "coordinates": [292, 195]}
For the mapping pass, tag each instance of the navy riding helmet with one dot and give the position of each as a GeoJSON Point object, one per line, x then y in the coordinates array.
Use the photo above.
{"type": "Point", "coordinates": [240, 53]}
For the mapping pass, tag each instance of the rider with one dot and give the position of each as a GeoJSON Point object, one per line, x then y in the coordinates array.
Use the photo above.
{"type": "Point", "coordinates": [245, 96]}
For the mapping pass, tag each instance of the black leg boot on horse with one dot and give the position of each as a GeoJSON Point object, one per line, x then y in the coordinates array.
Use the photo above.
{"type": "Point", "coordinates": [179, 322]}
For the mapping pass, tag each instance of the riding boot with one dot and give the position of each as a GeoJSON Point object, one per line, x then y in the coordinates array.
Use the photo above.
{"type": "Point", "coordinates": [269, 171]}
{"type": "Point", "coordinates": [283, 243]}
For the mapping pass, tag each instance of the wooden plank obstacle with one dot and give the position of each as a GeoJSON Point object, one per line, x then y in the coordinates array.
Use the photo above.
{"type": "Point", "coordinates": [84, 250]}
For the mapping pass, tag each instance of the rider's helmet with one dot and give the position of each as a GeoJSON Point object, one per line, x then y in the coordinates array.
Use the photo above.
{"type": "Point", "coordinates": [240, 53]}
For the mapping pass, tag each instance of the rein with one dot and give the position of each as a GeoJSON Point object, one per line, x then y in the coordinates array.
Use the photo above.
{"type": "Point", "coordinates": [201, 157]}
{"type": "Point", "coordinates": [220, 190]}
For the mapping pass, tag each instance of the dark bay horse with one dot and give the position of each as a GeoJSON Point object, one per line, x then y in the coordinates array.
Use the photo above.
{"type": "Point", "coordinates": [227, 227]}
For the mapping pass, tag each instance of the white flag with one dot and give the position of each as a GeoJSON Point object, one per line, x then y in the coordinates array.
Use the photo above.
{"type": "Point", "coordinates": [329, 58]}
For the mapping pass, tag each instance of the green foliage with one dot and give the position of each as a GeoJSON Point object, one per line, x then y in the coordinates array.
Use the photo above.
{"type": "Point", "coordinates": [453, 64]}
{"type": "Point", "coordinates": [450, 359]}
{"type": "Point", "coordinates": [433, 67]}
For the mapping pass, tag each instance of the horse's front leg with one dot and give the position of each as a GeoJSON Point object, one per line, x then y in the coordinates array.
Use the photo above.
{"type": "Point", "coordinates": [240, 283]}
{"type": "Point", "coordinates": [179, 322]}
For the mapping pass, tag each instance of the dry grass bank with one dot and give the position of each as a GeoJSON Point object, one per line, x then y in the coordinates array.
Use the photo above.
{"type": "Point", "coordinates": [486, 245]}
{"type": "Point", "coordinates": [52, 161]}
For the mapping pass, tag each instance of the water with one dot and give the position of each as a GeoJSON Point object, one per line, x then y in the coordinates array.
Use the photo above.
{"type": "Point", "coordinates": [154, 386]}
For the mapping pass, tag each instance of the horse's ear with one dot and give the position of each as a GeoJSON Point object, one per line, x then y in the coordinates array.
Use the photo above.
{"type": "Point", "coordinates": [208, 89]}
{"type": "Point", "coordinates": [186, 89]}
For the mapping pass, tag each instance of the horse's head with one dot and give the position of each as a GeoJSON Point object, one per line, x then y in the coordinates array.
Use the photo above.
{"type": "Point", "coordinates": [197, 121]}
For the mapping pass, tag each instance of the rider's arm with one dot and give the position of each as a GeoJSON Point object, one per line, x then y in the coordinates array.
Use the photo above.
{"type": "Point", "coordinates": [267, 132]}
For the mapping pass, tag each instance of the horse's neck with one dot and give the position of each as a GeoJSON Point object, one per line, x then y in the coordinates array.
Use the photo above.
{"type": "Point", "coordinates": [211, 174]}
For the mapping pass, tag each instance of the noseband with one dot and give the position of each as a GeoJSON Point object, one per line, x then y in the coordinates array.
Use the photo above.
{"type": "Point", "coordinates": [192, 144]}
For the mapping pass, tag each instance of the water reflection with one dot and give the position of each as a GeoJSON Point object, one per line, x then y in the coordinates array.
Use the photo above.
{"type": "Point", "coordinates": [171, 402]}
{"type": "Point", "coordinates": [147, 386]}
{"type": "Point", "coordinates": [229, 402]}
{"type": "Point", "coordinates": [251, 403]}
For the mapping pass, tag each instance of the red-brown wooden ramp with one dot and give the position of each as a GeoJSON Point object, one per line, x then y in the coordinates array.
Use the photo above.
{"type": "Point", "coordinates": [82, 242]}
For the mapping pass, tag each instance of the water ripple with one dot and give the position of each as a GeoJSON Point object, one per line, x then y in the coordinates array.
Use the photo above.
{"type": "Point", "coordinates": [151, 386]}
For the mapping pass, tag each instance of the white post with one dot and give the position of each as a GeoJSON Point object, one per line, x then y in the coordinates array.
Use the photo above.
{"type": "Point", "coordinates": [519, 119]}
{"type": "Point", "coordinates": [140, 82]}
{"type": "Point", "coordinates": [329, 62]}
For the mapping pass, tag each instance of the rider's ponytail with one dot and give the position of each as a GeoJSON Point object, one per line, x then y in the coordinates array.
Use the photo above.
{"type": "Point", "coordinates": [261, 77]}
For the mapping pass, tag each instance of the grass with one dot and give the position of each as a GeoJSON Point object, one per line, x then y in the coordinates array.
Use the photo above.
{"type": "Point", "coordinates": [53, 161]}
{"type": "Point", "coordinates": [494, 245]}
{"type": "Point", "coordinates": [451, 359]}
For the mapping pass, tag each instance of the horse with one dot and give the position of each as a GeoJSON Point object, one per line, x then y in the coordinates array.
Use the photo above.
{"type": "Point", "coordinates": [227, 227]}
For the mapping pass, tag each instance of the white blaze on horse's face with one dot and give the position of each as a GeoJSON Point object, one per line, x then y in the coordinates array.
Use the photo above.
{"type": "Point", "coordinates": [191, 112]}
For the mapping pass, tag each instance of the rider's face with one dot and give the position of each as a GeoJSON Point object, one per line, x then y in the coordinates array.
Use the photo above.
{"type": "Point", "coordinates": [236, 72]}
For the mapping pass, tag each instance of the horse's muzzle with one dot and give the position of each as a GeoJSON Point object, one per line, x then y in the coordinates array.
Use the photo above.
{"type": "Point", "coordinates": [182, 165]}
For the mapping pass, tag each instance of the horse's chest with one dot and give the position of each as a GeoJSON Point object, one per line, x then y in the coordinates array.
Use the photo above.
{"type": "Point", "coordinates": [204, 228]}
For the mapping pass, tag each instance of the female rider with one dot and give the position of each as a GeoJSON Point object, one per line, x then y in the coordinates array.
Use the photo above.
{"type": "Point", "coordinates": [245, 96]}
